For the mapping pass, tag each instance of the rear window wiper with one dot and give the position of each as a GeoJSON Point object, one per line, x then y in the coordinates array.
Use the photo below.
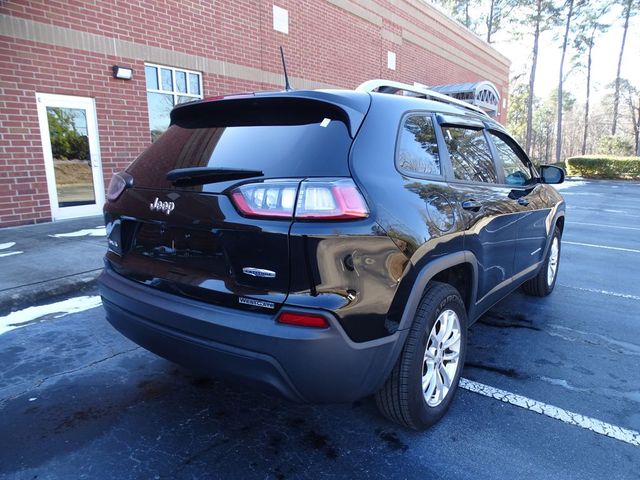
{"type": "Point", "coordinates": [187, 177]}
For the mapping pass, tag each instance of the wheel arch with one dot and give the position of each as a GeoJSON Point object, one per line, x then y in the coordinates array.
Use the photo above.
{"type": "Point", "coordinates": [435, 269]}
{"type": "Point", "coordinates": [446, 269]}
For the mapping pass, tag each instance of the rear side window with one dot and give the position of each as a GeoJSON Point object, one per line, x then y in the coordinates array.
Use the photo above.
{"type": "Point", "coordinates": [470, 155]}
{"type": "Point", "coordinates": [283, 151]}
{"type": "Point", "coordinates": [515, 170]}
{"type": "Point", "coordinates": [418, 148]}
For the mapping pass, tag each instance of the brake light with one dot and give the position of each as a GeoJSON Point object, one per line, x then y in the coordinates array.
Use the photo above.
{"type": "Point", "coordinates": [317, 199]}
{"type": "Point", "coordinates": [118, 184]}
{"type": "Point", "coordinates": [303, 320]}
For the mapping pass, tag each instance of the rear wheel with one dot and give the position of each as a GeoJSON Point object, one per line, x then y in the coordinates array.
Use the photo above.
{"type": "Point", "coordinates": [542, 284]}
{"type": "Point", "coordinates": [424, 380]}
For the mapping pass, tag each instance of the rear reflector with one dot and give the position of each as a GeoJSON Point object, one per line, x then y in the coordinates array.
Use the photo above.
{"type": "Point", "coordinates": [317, 199]}
{"type": "Point", "coordinates": [303, 320]}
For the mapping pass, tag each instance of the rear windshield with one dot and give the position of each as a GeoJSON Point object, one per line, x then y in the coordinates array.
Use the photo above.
{"type": "Point", "coordinates": [280, 151]}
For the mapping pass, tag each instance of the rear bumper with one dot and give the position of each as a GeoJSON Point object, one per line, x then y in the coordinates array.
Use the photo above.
{"type": "Point", "coordinates": [303, 364]}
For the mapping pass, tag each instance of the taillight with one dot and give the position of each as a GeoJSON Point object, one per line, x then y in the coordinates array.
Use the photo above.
{"type": "Point", "coordinates": [118, 184]}
{"type": "Point", "coordinates": [336, 200]}
{"type": "Point", "coordinates": [316, 199]}
{"type": "Point", "coordinates": [303, 320]}
{"type": "Point", "coordinates": [266, 199]}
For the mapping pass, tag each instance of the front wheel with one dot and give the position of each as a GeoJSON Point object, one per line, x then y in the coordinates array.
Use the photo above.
{"type": "Point", "coordinates": [542, 284]}
{"type": "Point", "coordinates": [424, 380]}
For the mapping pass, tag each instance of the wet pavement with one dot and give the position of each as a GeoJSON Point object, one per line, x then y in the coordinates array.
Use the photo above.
{"type": "Point", "coordinates": [77, 400]}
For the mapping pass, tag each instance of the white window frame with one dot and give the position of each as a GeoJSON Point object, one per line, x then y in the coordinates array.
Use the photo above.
{"type": "Point", "coordinates": [173, 92]}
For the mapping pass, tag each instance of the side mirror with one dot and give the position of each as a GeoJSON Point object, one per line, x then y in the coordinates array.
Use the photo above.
{"type": "Point", "coordinates": [551, 174]}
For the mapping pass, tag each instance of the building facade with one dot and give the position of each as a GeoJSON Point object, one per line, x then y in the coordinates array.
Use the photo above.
{"type": "Point", "coordinates": [67, 123]}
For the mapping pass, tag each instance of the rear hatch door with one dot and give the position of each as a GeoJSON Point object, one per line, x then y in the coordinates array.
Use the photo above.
{"type": "Point", "coordinates": [177, 229]}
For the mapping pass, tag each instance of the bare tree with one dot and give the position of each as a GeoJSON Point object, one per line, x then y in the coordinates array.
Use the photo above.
{"type": "Point", "coordinates": [542, 18]}
{"type": "Point", "coordinates": [630, 9]}
{"type": "Point", "coordinates": [567, 27]}
{"type": "Point", "coordinates": [499, 12]}
{"type": "Point", "coordinates": [635, 115]}
{"type": "Point", "coordinates": [532, 75]}
{"type": "Point", "coordinates": [630, 95]}
{"type": "Point", "coordinates": [461, 11]}
{"type": "Point", "coordinates": [589, 26]}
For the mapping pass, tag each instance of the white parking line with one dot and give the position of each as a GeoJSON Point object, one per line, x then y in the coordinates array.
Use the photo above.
{"type": "Point", "coordinates": [605, 226]}
{"type": "Point", "coordinates": [603, 292]}
{"type": "Point", "coordinates": [8, 254]}
{"type": "Point", "coordinates": [624, 435]}
{"type": "Point", "coordinates": [606, 247]}
{"type": "Point", "coordinates": [569, 184]}
{"type": "Point", "coordinates": [606, 210]}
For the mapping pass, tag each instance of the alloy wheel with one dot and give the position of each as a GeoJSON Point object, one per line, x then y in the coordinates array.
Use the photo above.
{"type": "Point", "coordinates": [552, 267]}
{"type": "Point", "coordinates": [441, 358]}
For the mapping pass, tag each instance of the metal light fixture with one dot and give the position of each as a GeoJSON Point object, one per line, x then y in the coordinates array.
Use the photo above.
{"type": "Point", "coordinates": [123, 73]}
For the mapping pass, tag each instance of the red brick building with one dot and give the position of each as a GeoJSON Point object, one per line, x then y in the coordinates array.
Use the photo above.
{"type": "Point", "coordinates": [66, 124]}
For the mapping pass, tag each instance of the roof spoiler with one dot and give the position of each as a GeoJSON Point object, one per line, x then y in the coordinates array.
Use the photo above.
{"type": "Point", "coordinates": [277, 108]}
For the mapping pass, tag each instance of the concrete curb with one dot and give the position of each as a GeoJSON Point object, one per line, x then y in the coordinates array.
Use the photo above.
{"type": "Point", "coordinates": [29, 295]}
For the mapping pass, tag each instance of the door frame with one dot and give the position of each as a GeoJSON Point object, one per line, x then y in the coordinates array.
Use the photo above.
{"type": "Point", "coordinates": [44, 100]}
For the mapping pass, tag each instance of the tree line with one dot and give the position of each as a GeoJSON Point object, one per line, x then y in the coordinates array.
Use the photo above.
{"type": "Point", "coordinates": [559, 126]}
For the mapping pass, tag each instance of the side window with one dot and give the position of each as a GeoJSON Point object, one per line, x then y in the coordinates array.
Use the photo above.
{"type": "Point", "coordinates": [515, 171]}
{"type": "Point", "coordinates": [470, 155]}
{"type": "Point", "coordinates": [418, 149]}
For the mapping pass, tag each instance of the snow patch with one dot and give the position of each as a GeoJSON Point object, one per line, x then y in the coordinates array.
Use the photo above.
{"type": "Point", "coordinates": [561, 382]}
{"type": "Point", "coordinates": [21, 318]}
{"type": "Point", "coordinates": [99, 231]}
{"type": "Point", "coordinates": [5, 246]}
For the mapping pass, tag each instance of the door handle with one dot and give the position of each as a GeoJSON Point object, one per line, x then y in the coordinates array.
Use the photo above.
{"type": "Point", "coordinates": [472, 205]}
{"type": "Point", "coordinates": [523, 201]}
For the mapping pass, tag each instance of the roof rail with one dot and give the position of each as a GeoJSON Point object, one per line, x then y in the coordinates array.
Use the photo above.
{"type": "Point", "coordinates": [389, 86]}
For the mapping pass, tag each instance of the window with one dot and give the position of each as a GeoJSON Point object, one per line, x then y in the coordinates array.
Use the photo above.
{"type": "Point", "coordinates": [515, 171]}
{"type": "Point", "coordinates": [166, 87]}
{"type": "Point", "coordinates": [470, 155]}
{"type": "Point", "coordinates": [418, 149]}
{"type": "Point", "coordinates": [250, 138]}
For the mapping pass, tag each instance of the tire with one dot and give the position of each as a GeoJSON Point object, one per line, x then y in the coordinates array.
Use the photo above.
{"type": "Point", "coordinates": [402, 398]}
{"type": "Point", "coordinates": [542, 284]}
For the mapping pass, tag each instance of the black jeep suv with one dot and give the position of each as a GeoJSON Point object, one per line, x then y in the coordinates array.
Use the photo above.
{"type": "Point", "coordinates": [328, 245]}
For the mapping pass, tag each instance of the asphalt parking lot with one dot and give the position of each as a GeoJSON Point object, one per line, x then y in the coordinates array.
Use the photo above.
{"type": "Point", "coordinates": [77, 400]}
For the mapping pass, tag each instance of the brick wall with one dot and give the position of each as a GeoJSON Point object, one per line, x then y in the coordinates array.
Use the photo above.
{"type": "Point", "coordinates": [333, 42]}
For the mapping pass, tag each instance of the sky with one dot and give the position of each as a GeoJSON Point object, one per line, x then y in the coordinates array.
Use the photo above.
{"type": "Point", "coordinates": [604, 62]}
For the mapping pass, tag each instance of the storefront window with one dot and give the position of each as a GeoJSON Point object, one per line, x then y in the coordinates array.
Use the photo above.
{"type": "Point", "coordinates": [166, 87]}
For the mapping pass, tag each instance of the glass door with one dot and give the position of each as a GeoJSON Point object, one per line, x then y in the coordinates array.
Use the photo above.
{"type": "Point", "coordinates": [69, 135]}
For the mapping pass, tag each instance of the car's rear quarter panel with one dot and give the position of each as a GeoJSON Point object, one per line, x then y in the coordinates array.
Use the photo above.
{"type": "Point", "coordinates": [398, 202]}
{"type": "Point", "coordinates": [350, 268]}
